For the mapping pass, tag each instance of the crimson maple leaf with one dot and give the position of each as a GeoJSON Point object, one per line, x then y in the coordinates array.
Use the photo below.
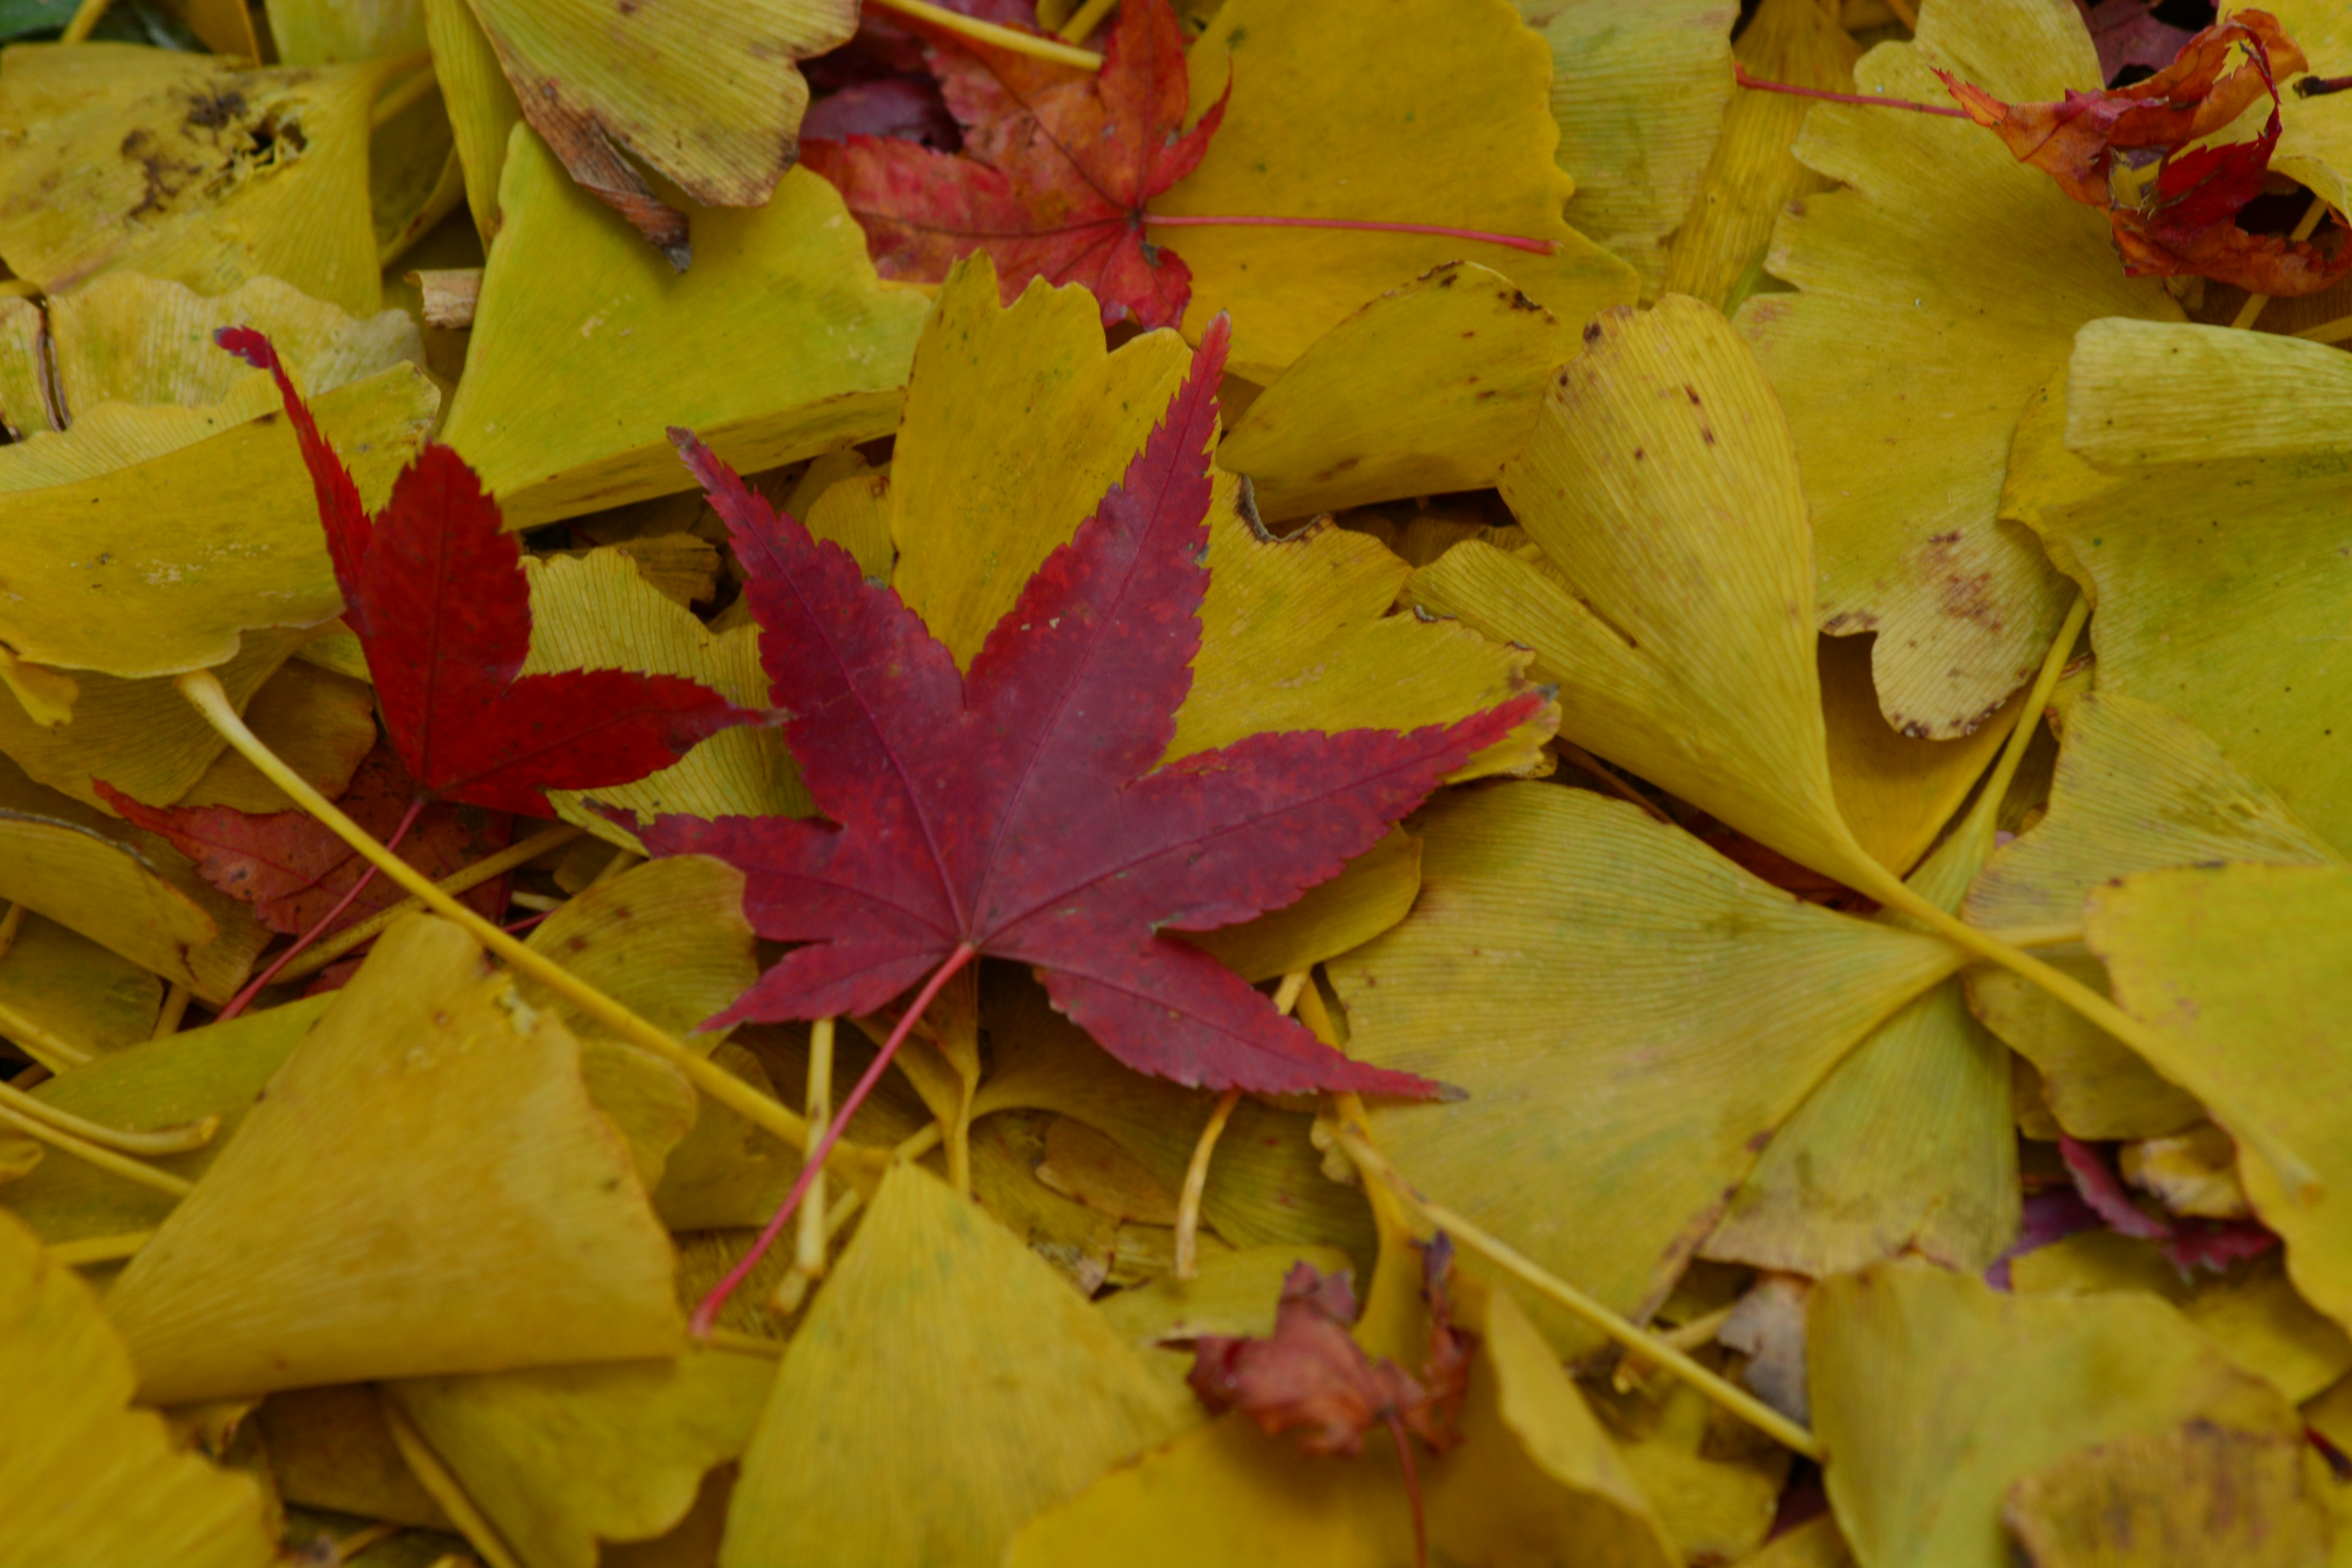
{"type": "Point", "coordinates": [434, 587]}
{"type": "Point", "coordinates": [1018, 810]}
{"type": "Point", "coordinates": [2183, 219]}
{"type": "Point", "coordinates": [1056, 167]}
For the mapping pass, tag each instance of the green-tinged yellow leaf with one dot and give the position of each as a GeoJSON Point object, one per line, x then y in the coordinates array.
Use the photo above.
{"type": "Point", "coordinates": [414, 176]}
{"type": "Point", "coordinates": [1535, 1481]}
{"type": "Point", "coordinates": [217, 1070]}
{"type": "Point", "coordinates": [481, 104]}
{"type": "Point", "coordinates": [2209, 529]}
{"type": "Point", "coordinates": [2250, 967]}
{"type": "Point", "coordinates": [2191, 1493]}
{"type": "Point", "coordinates": [86, 1482]}
{"type": "Point", "coordinates": [2136, 789]}
{"type": "Point", "coordinates": [1630, 1016]}
{"type": "Point", "coordinates": [778, 344]}
{"type": "Point", "coordinates": [945, 1386]}
{"type": "Point", "coordinates": [1018, 420]}
{"type": "Point", "coordinates": [1896, 790]}
{"type": "Point", "coordinates": [2253, 1312]}
{"type": "Point", "coordinates": [198, 545]}
{"type": "Point", "coordinates": [122, 887]}
{"type": "Point", "coordinates": [1717, 254]}
{"type": "Point", "coordinates": [90, 995]}
{"type": "Point", "coordinates": [726, 1172]}
{"type": "Point", "coordinates": [1368, 898]}
{"type": "Point", "coordinates": [1429, 388]}
{"type": "Point", "coordinates": [1966, 273]}
{"type": "Point", "coordinates": [563, 1458]}
{"type": "Point", "coordinates": [1935, 1393]}
{"type": "Point", "coordinates": [1331, 119]}
{"type": "Point", "coordinates": [24, 397]}
{"type": "Point", "coordinates": [1640, 93]}
{"type": "Point", "coordinates": [2316, 148]}
{"type": "Point", "coordinates": [331, 32]}
{"type": "Point", "coordinates": [328, 1448]}
{"type": "Point", "coordinates": [667, 938]}
{"type": "Point", "coordinates": [321, 724]}
{"type": "Point", "coordinates": [515, 1234]}
{"type": "Point", "coordinates": [596, 611]}
{"type": "Point", "coordinates": [194, 168]}
{"type": "Point", "coordinates": [848, 502]}
{"type": "Point", "coordinates": [1672, 602]}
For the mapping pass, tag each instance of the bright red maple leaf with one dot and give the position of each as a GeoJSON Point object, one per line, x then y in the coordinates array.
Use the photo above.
{"type": "Point", "coordinates": [1020, 810]}
{"type": "Point", "coordinates": [2182, 219]}
{"type": "Point", "coordinates": [434, 587]}
{"type": "Point", "coordinates": [1056, 167]}
{"type": "Point", "coordinates": [292, 868]}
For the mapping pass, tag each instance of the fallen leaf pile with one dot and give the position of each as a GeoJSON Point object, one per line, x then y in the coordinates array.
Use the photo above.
{"type": "Point", "coordinates": [1047, 783]}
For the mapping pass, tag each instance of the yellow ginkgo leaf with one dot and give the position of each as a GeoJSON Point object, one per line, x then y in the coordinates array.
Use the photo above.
{"type": "Point", "coordinates": [333, 32]}
{"type": "Point", "coordinates": [597, 611]}
{"type": "Point", "coordinates": [481, 104]}
{"type": "Point", "coordinates": [81, 992]}
{"type": "Point", "coordinates": [123, 887]}
{"type": "Point", "coordinates": [194, 168]}
{"type": "Point", "coordinates": [414, 176]}
{"type": "Point", "coordinates": [1535, 1481]}
{"type": "Point", "coordinates": [726, 1172]}
{"type": "Point", "coordinates": [1629, 1013]}
{"type": "Point", "coordinates": [198, 545]}
{"type": "Point", "coordinates": [2200, 500]}
{"type": "Point", "coordinates": [515, 1233]}
{"type": "Point", "coordinates": [1427, 389]}
{"type": "Point", "coordinates": [2249, 968]}
{"type": "Point", "coordinates": [1371, 895]}
{"type": "Point", "coordinates": [667, 938]}
{"type": "Point", "coordinates": [2189, 1493]}
{"type": "Point", "coordinates": [328, 1448]}
{"type": "Point", "coordinates": [1717, 254]}
{"type": "Point", "coordinates": [560, 1459]}
{"type": "Point", "coordinates": [25, 396]}
{"type": "Point", "coordinates": [2317, 144]}
{"type": "Point", "coordinates": [1896, 790]}
{"type": "Point", "coordinates": [946, 1386]}
{"type": "Point", "coordinates": [1912, 1368]}
{"type": "Point", "coordinates": [1640, 93]}
{"type": "Point", "coordinates": [1331, 119]}
{"type": "Point", "coordinates": [321, 724]}
{"type": "Point", "coordinates": [1967, 272]}
{"type": "Point", "coordinates": [781, 344]}
{"type": "Point", "coordinates": [1673, 599]}
{"type": "Point", "coordinates": [84, 1481]}
{"type": "Point", "coordinates": [2136, 789]}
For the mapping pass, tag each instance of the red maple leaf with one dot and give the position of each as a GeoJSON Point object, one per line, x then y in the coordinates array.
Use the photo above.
{"type": "Point", "coordinates": [1056, 167]}
{"type": "Point", "coordinates": [1020, 811]}
{"type": "Point", "coordinates": [2182, 220]}
{"type": "Point", "coordinates": [292, 868]}
{"type": "Point", "coordinates": [435, 588]}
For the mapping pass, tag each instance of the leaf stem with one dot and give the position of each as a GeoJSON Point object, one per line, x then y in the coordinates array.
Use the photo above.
{"type": "Point", "coordinates": [86, 17]}
{"type": "Point", "coordinates": [2251, 311]}
{"type": "Point", "coordinates": [465, 882]}
{"type": "Point", "coordinates": [92, 1249]}
{"type": "Point", "coordinates": [705, 1315]}
{"type": "Point", "coordinates": [442, 1485]}
{"type": "Point", "coordinates": [1860, 100]}
{"type": "Point", "coordinates": [175, 1140]}
{"type": "Point", "coordinates": [173, 1012]}
{"type": "Point", "coordinates": [58, 1054]}
{"type": "Point", "coordinates": [202, 689]}
{"type": "Point", "coordinates": [1650, 1347]}
{"type": "Point", "coordinates": [809, 1253]}
{"type": "Point", "coordinates": [1198, 220]}
{"type": "Point", "coordinates": [1196, 1182]}
{"type": "Point", "coordinates": [1083, 20]}
{"type": "Point", "coordinates": [2335, 332]}
{"type": "Point", "coordinates": [122, 1165]}
{"type": "Point", "coordinates": [253, 987]}
{"type": "Point", "coordinates": [989, 33]}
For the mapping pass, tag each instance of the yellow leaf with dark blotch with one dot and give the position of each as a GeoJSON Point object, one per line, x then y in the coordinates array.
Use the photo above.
{"type": "Point", "coordinates": [197, 545]}
{"type": "Point", "coordinates": [2214, 546]}
{"type": "Point", "coordinates": [217, 1071]}
{"type": "Point", "coordinates": [89, 995]}
{"type": "Point", "coordinates": [480, 101]}
{"type": "Point", "coordinates": [945, 1387]}
{"type": "Point", "coordinates": [1911, 1367]}
{"type": "Point", "coordinates": [321, 724]}
{"type": "Point", "coordinates": [781, 344]}
{"type": "Point", "coordinates": [1630, 1014]}
{"type": "Point", "coordinates": [2249, 968]}
{"type": "Point", "coordinates": [1673, 599]}
{"type": "Point", "coordinates": [1427, 389]}
{"type": "Point", "coordinates": [1717, 254]}
{"type": "Point", "coordinates": [560, 1458]}
{"type": "Point", "coordinates": [195, 168]}
{"type": "Point", "coordinates": [86, 1482]}
{"type": "Point", "coordinates": [515, 1233]}
{"type": "Point", "coordinates": [1371, 895]}
{"type": "Point", "coordinates": [1330, 119]}
{"type": "Point", "coordinates": [2196, 1492]}
{"type": "Point", "coordinates": [1640, 93]}
{"type": "Point", "coordinates": [123, 887]}
{"type": "Point", "coordinates": [328, 1448]}
{"type": "Point", "coordinates": [1967, 273]}
{"type": "Point", "coordinates": [598, 611]}
{"type": "Point", "coordinates": [2136, 789]}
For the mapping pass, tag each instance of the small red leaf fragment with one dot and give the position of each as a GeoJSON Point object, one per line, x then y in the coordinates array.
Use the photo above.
{"type": "Point", "coordinates": [2189, 1245]}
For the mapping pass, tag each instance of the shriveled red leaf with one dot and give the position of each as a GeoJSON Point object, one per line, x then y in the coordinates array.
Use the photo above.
{"type": "Point", "coordinates": [292, 869]}
{"type": "Point", "coordinates": [2182, 219]}
{"type": "Point", "coordinates": [2128, 33]}
{"type": "Point", "coordinates": [893, 108]}
{"type": "Point", "coordinates": [2188, 1243]}
{"type": "Point", "coordinates": [435, 589]}
{"type": "Point", "coordinates": [1056, 167]}
{"type": "Point", "coordinates": [1018, 810]}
